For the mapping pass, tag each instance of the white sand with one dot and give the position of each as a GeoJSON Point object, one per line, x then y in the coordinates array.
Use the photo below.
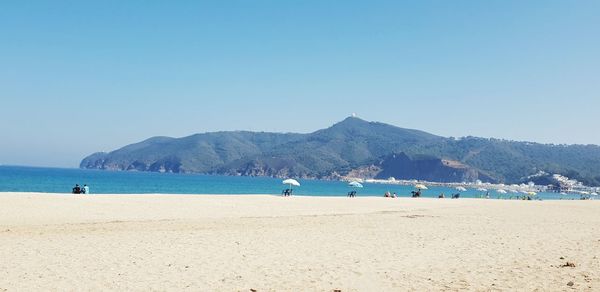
{"type": "Point", "coordinates": [238, 243]}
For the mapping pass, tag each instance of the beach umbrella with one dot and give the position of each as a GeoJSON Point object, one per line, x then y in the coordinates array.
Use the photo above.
{"type": "Point", "coordinates": [291, 182]}
{"type": "Point", "coordinates": [532, 193]}
{"type": "Point", "coordinates": [501, 191]}
{"type": "Point", "coordinates": [462, 189]}
{"type": "Point", "coordinates": [355, 184]}
{"type": "Point", "coordinates": [421, 187]}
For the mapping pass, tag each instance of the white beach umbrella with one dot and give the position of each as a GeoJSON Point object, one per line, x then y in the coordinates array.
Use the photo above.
{"type": "Point", "coordinates": [421, 187]}
{"type": "Point", "coordinates": [501, 191]}
{"type": "Point", "coordinates": [462, 189]}
{"type": "Point", "coordinates": [291, 182]}
{"type": "Point", "coordinates": [355, 184]}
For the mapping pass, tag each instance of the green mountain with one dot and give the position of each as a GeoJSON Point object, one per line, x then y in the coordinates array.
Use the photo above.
{"type": "Point", "coordinates": [354, 147]}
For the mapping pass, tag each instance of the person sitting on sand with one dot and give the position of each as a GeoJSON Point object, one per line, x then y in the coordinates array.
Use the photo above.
{"type": "Point", "coordinates": [441, 196]}
{"type": "Point", "coordinates": [76, 189]}
{"type": "Point", "coordinates": [86, 189]}
{"type": "Point", "coordinates": [387, 194]}
{"type": "Point", "coordinates": [394, 195]}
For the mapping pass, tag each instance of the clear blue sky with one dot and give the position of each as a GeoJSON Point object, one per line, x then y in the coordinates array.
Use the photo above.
{"type": "Point", "coordinates": [78, 77]}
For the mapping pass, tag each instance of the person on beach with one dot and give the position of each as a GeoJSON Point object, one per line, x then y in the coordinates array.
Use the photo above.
{"type": "Point", "coordinates": [86, 189]}
{"type": "Point", "coordinates": [394, 195]}
{"type": "Point", "coordinates": [287, 192]}
{"type": "Point", "coordinates": [76, 189]}
{"type": "Point", "coordinates": [441, 196]}
{"type": "Point", "coordinates": [387, 194]}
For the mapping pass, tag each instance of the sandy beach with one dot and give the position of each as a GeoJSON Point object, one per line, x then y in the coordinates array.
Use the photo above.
{"type": "Point", "coordinates": [269, 243]}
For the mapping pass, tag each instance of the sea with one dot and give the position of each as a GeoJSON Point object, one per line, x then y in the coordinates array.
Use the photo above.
{"type": "Point", "coordinates": [62, 180]}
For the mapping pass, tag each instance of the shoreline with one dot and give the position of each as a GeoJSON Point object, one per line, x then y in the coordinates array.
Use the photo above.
{"type": "Point", "coordinates": [495, 197]}
{"type": "Point", "coordinates": [573, 187]}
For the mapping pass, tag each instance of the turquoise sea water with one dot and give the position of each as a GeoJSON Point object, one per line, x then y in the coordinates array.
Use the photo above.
{"type": "Point", "coordinates": [59, 180]}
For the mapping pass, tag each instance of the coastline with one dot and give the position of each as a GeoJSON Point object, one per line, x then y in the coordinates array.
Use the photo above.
{"type": "Point", "coordinates": [265, 242]}
{"type": "Point", "coordinates": [27, 179]}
